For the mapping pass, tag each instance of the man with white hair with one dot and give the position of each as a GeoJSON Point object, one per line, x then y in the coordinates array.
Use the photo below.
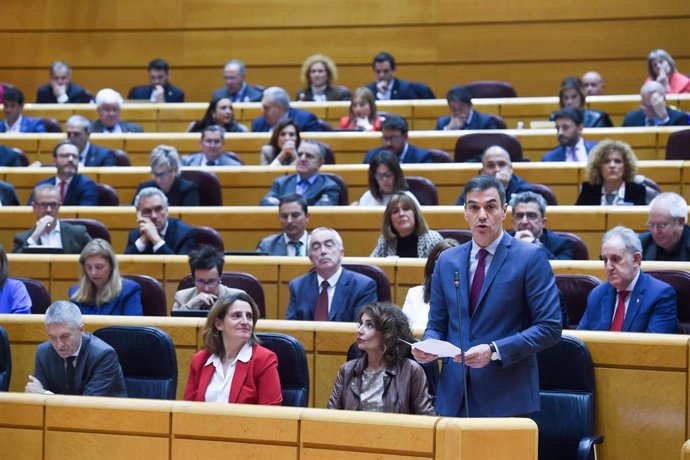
{"type": "Point", "coordinates": [276, 108]}
{"type": "Point", "coordinates": [668, 238]}
{"type": "Point", "coordinates": [108, 105]}
{"type": "Point", "coordinates": [61, 89]}
{"type": "Point", "coordinates": [654, 111]}
{"type": "Point", "coordinates": [236, 87]}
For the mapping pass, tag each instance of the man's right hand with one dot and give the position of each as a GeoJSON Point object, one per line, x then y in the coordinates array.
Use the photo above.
{"type": "Point", "coordinates": [659, 106]}
{"type": "Point", "coordinates": [456, 123]}
{"type": "Point", "coordinates": [158, 93]}
{"type": "Point", "coordinates": [58, 89]}
{"type": "Point", "coordinates": [524, 235]}
{"type": "Point", "coordinates": [422, 357]}
{"type": "Point", "coordinates": [148, 231]}
{"type": "Point", "coordinates": [382, 86]}
{"type": "Point", "coordinates": [202, 301]}
{"type": "Point", "coordinates": [43, 225]}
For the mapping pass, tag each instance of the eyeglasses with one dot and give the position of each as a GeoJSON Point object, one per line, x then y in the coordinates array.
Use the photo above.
{"type": "Point", "coordinates": [661, 227]}
{"type": "Point", "coordinates": [53, 205]}
{"type": "Point", "coordinates": [529, 215]}
{"type": "Point", "coordinates": [209, 284]}
{"type": "Point", "coordinates": [394, 138]}
{"type": "Point", "coordinates": [386, 175]}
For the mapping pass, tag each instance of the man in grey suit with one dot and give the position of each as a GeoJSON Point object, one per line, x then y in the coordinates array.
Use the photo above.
{"type": "Point", "coordinates": [212, 150]}
{"type": "Point", "coordinates": [49, 231]}
{"type": "Point", "coordinates": [108, 105]}
{"type": "Point", "coordinates": [294, 240]}
{"type": "Point", "coordinates": [73, 362]}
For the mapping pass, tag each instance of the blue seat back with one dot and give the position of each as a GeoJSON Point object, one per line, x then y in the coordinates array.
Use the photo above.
{"type": "Point", "coordinates": [292, 367]}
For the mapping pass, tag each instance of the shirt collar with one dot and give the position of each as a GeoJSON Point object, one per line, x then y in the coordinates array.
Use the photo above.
{"type": "Point", "coordinates": [333, 280]}
{"type": "Point", "coordinates": [304, 239]}
{"type": "Point", "coordinates": [244, 355]}
{"type": "Point", "coordinates": [633, 283]}
{"type": "Point", "coordinates": [491, 247]}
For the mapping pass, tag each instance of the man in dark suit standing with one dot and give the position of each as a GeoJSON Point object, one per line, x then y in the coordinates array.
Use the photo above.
{"type": "Point", "coordinates": [15, 121]}
{"type": "Point", "coordinates": [654, 111]}
{"type": "Point", "coordinates": [108, 105]}
{"type": "Point", "coordinates": [74, 362]}
{"type": "Point", "coordinates": [276, 107]}
{"type": "Point", "coordinates": [159, 89]}
{"type": "Point", "coordinates": [329, 292]}
{"type": "Point", "coordinates": [387, 87]}
{"type": "Point", "coordinates": [61, 89]}
{"type": "Point", "coordinates": [78, 130]}
{"type": "Point", "coordinates": [294, 239]}
{"type": "Point", "coordinates": [394, 136]}
{"type": "Point", "coordinates": [158, 233]}
{"type": "Point", "coordinates": [463, 116]}
{"type": "Point", "coordinates": [573, 148]}
{"type": "Point", "coordinates": [236, 87]}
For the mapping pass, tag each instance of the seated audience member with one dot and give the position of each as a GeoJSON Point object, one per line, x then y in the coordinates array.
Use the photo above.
{"type": "Point", "coordinates": [49, 231]}
{"type": "Point", "coordinates": [213, 152]}
{"type": "Point", "coordinates": [221, 113]}
{"type": "Point", "coordinates": [78, 130]}
{"type": "Point", "coordinates": [529, 225]}
{"type": "Point", "coordinates": [61, 89]}
{"type": "Point", "coordinates": [654, 111]}
{"type": "Point", "coordinates": [108, 105]}
{"type": "Point", "coordinates": [233, 367]}
{"type": "Point", "coordinates": [404, 232]}
{"type": "Point", "coordinates": [329, 292]}
{"type": "Point", "coordinates": [387, 87]}
{"type": "Point", "coordinates": [101, 290]}
{"type": "Point", "coordinates": [362, 113]}
{"type": "Point", "coordinates": [276, 108]}
{"type": "Point", "coordinates": [158, 233]}
{"type": "Point", "coordinates": [593, 83]}
{"type": "Point", "coordinates": [281, 150]}
{"type": "Point", "coordinates": [462, 115]}
{"type": "Point", "coordinates": [385, 178]}
{"type": "Point", "coordinates": [610, 177]}
{"type": "Point", "coordinates": [9, 156]}
{"type": "Point", "coordinates": [74, 362]}
{"type": "Point", "coordinates": [8, 195]}
{"type": "Point", "coordinates": [14, 297]}
{"type": "Point", "coordinates": [572, 95]}
{"type": "Point", "coordinates": [496, 162]}
{"type": "Point", "coordinates": [631, 300]}
{"type": "Point", "coordinates": [668, 238]}
{"type": "Point", "coordinates": [236, 87]}
{"type": "Point", "coordinates": [416, 306]}
{"type": "Point", "coordinates": [316, 188]}
{"type": "Point", "coordinates": [319, 74]}
{"type": "Point", "coordinates": [383, 378]}
{"type": "Point", "coordinates": [74, 189]}
{"type": "Point", "coordinates": [394, 136]}
{"type": "Point", "coordinates": [165, 169]}
{"type": "Point", "coordinates": [159, 88]}
{"type": "Point", "coordinates": [15, 121]}
{"type": "Point", "coordinates": [572, 147]}
{"type": "Point", "coordinates": [206, 264]}
{"type": "Point", "coordinates": [662, 69]}
{"type": "Point", "coordinates": [294, 239]}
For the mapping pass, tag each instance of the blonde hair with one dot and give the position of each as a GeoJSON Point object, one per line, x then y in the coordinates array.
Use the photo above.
{"type": "Point", "coordinates": [598, 154]}
{"type": "Point", "coordinates": [87, 292]}
{"type": "Point", "coordinates": [327, 62]}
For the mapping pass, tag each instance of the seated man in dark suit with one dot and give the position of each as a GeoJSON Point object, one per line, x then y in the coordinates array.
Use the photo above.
{"type": "Point", "coordinates": [572, 148]}
{"type": "Point", "coordinates": [276, 107]}
{"type": "Point", "coordinates": [394, 136]}
{"type": "Point", "coordinates": [529, 224]}
{"type": "Point", "coordinates": [213, 152]}
{"type": "Point", "coordinates": [654, 111]}
{"type": "Point", "coordinates": [9, 157]}
{"type": "Point", "coordinates": [108, 105]}
{"type": "Point", "coordinates": [15, 121]}
{"type": "Point", "coordinates": [387, 87]}
{"type": "Point", "coordinates": [294, 240]}
{"type": "Point", "coordinates": [463, 116]}
{"type": "Point", "coordinates": [631, 300]}
{"type": "Point", "coordinates": [8, 195]}
{"type": "Point", "coordinates": [74, 189]}
{"type": "Point", "coordinates": [668, 238]}
{"type": "Point", "coordinates": [78, 130]}
{"type": "Point", "coordinates": [317, 189]}
{"type": "Point", "coordinates": [74, 362]}
{"type": "Point", "coordinates": [329, 292]}
{"type": "Point", "coordinates": [158, 233]}
{"type": "Point", "coordinates": [159, 89]}
{"type": "Point", "coordinates": [61, 89]}
{"type": "Point", "coordinates": [49, 231]}
{"type": "Point", "coordinates": [236, 87]}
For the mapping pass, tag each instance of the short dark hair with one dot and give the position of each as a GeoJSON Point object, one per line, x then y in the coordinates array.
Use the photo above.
{"type": "Point", "coordinates": [395, 123]}
{"type": "Point", "coordinates": [159, 64]}
{"type": "Point", "coordinates": [13, 94]}
{"type": "Point", "coordinates": [486, 182]}
{"type": "Point", "coordinates": [459, 93]}
{"type": "Point", "coordinates": [393, 325]}
{"type": "Point", "coordinates": [61, 143]}
{"type": "Point", "coordinates": [575, 115]}
{"type": "Point", "coordinates": [384, 57]}
{"type": "Point", "coordinates": [294, 198]}
{"type": "Point", "coordinates": [273, 142]}
{"type": "Point", "coordinates": [388, 158]}
{"type": "Point", "coordinates": [206, 257]}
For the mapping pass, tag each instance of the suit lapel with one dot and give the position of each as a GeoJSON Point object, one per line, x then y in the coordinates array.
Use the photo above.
{"type": "Point", "coordinates": [241, 370]}
{"type": "Point", "coordinates": [170, 235]}
{"type": "Point", "coordinates": [465, 253]}
{"type": "Point", "coordinates": [341, 290]}
{"type": "Point", "coordinates": [204, 380]}
{"type": "Point", "coordinates": [636, 298]}
{"type": "Point", "coordinates": [502, 252]}
{"type": "Point", "coordinates": [312, 293]}
{"type": "Point", "coordinates": [607, 306]}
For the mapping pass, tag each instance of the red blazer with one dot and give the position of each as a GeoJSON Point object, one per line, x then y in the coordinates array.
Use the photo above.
{"type": "Point", "coordinates": [254, 382]}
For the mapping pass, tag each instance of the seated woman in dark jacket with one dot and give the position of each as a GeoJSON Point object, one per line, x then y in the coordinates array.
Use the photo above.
{"type": "Point", "coordinates": [221, 113]}
{"type": "Point", "coordinates": [165, 169]}
{"type": "Point", "coordinates": [383, 379]}
{"type": "Point", "coordinates": [572, 94]}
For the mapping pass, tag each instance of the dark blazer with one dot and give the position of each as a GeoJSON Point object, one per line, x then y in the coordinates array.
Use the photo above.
{"type": "Point", "coordinates": [74, 238]}
{"type": "Point", "coordinates": [8, 195]}
{"type": "Point", "coordinates": [126, 303]}
{"type": "Point", "coordinates": [333, 93]}
{"type": "Point", "coordinates": [516, 185]}
{"type": "Point", "coordinates": [82, 191]}
{"type": "Point", "coordinates": [591, 194]}
{"type": "Point", "coordinates": [170, 93]}
{"type": "Point", "coordinates": [305, 120]}
{"type": "Point", "coordinates": [98, 371]}
{"type": "Point", "coordinates": [558, 153]}
{"type": "Point", "coordinates": [556, 247]}
{"type": "Point", "coordinates": [9, 157]}
{"type": "Point", "coordinates": [637, 118]}
{"type": "Point", "coordinates": [402, 89]}
{"type": "Point", "coordinates": [597, 119]}
{"type": "Point", "coordinates": [247, 94]}
{"type": "Point", "coordinates": [273, 245]}
{"type": "Point", "coordinates": [352, 292]}
{"type": "Point", "coordinates": [76, 94]}
{"type": "Point", "coordinates": [652, 307]}
{"type": "Point", "coordinates": [180, 238]}
{"type": "Point", "coordinates": [650, 250]}
{"type": "Point", "coordinates": [413, 155]}
{"type": "Point", "coordinates": [28, 125]}
{"type": "Point", "coordinates": [323, 192]}
{"type": "Point", "coordinates": [225, 159]}
{"type": "Point", "coordinates": [479, 121]}
{"type": "Point", "coordinates": [99, 156]}
{"type": "Point", "coordinates": [254, 382]}
{"type": "Point", "coordinates": [182, 193]}
{"type": "Point", "coordinates": [126, 126]}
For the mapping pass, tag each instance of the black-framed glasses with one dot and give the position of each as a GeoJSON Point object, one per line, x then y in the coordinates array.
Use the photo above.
{"type": "Point", "coordinates": [211, 284]}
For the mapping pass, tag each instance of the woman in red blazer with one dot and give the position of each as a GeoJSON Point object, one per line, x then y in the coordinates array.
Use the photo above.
{"type": "Point", "coordinates": [233, 367]}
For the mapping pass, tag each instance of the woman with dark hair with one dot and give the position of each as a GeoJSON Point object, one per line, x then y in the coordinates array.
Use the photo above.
{"type": "Point", "coordinates": [572, 94]}
{"type": "Point", "coordinates": [319, 74]}
{"type": "Point", "coordinates": [662, 68]}
{"type": "Point", "coordinates": [383, 379]}
{"type": "Point", "coordinates": [221, 113]}
{"type": "Point", "coordinates": [385, 178]}
{"type": "Point", "coordinates": [233, 367]}
{"type": "Point", "coordinates": [281, 150]}
{"type": "Point", "coordinates": [14, 297]}
{"type": "Point", "coordinates": [362, 114]}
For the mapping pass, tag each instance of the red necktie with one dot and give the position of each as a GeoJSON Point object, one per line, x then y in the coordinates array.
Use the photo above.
{"type": "Point", "coordinates": [62, 191]}
{"type": "Point", "coordinates": [619, 316]}
{"type": "Point", "coordinates": [477, 281]}
{"type": "Point", "coordinates": [321, 313]}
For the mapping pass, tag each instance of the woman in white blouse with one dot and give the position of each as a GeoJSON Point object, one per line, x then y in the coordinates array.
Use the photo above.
{"type": "Point", "coordinates": [385, 178]}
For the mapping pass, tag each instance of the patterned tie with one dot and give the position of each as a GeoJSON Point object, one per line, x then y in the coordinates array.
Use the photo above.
{"type": "Point", "coordinates": [611, 197]}
{"type": "Point", "coordinates": [321, 313]}
{"type": "Point", "coordinates": [298, 247]}
{"type": "Point", "coordinates": [69, 375]}
{"type": "Point", "coordinates": [619, 316]}
{"type": "Point", "coordinates": [62, 191]}
{"type": "Point", "coordinates": [477, 281]}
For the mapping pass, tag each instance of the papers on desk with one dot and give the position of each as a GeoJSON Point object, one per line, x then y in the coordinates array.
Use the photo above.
{"type": "Point", "coordinates": [440, 348]}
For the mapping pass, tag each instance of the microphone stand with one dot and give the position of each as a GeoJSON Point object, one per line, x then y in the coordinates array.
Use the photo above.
{"type": "Point", "coordinates": [456, 281]}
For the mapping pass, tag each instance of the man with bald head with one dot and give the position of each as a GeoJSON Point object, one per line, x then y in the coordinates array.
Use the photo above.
{"type": "Point", "coordinates": [654, 111]}
{"type": "Point", "coordinates": [276, 108]}
{"type": "Point", "coordinates": [236, 87]}
{"type": "Point", "coordinates": [594, 83]}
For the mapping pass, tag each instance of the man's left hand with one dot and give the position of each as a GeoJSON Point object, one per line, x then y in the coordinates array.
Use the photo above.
{"type": "Point", "coordinates": [477, 356]}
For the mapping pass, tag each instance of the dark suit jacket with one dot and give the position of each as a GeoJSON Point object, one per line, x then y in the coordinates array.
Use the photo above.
{"type": "Point", "coordinates": [9, 157]}
{"type": "Point", "coordinates": [170, 93]}
{"type": "Point", "coordinates": [74, 238]}
{"type": "Point", "coordinates": [650, 250]}
{"type": "Point", "coordinates": [28, 125]}
{"type": "Point", "coordinates": [652, 307]}
{"type": "Point", "coordinates": [516, 185]}
{"type": "Point", "coordinates": [597, 119]}
{"type": "Point", "coordinates": [182, 193]}
{"type": "Point", "coordinates": [273, 245]}
{"type": "Point", "coordinates": [556, 247]}
{"type": "Point", "coordinates": [401, 90]}
{"type": "Point", "coordinates": [637, 118]}
{"type": "Point", "coordinates": [305, 120]}
{"type": "Point", "coordinates": [333, 93]}
{"type": "Point", "coordinates": [97, 373]}
{"type": "Point", "coordinates": [323, 192]}
{"type": "Point", "coordinates": [76, 94]}
{"type": "Point", "coordinates": [479, 121]}
{"type": "Point", "coordinates": [126, 303]}
{"type": "Point", "coordinates": [248, 94]}
{"type": "Point", "coordinates": [126, 126]}
{"type": "Point", "coordinates": [82, 191]}
{"type": "Point", "coordinates": [413, 155]}
{"type": "Point", "coordinates": [180, 238]}
{"type": "Point", "coordinates": [225, 159]}
{"type": "Point", "coordinates": [8, 195]}
{"type": "Point", "coordinates": [591, 194]}
{"type": "Point", "coordinates": [99, 156]}
{"type": "Point", "coordinates": [352, 292]}
{"type": "Point", "coordinates": [558, 153]}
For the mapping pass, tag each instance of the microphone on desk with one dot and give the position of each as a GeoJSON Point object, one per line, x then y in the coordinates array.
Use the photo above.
{"type": "Point", "coordinates": [456, 281]}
